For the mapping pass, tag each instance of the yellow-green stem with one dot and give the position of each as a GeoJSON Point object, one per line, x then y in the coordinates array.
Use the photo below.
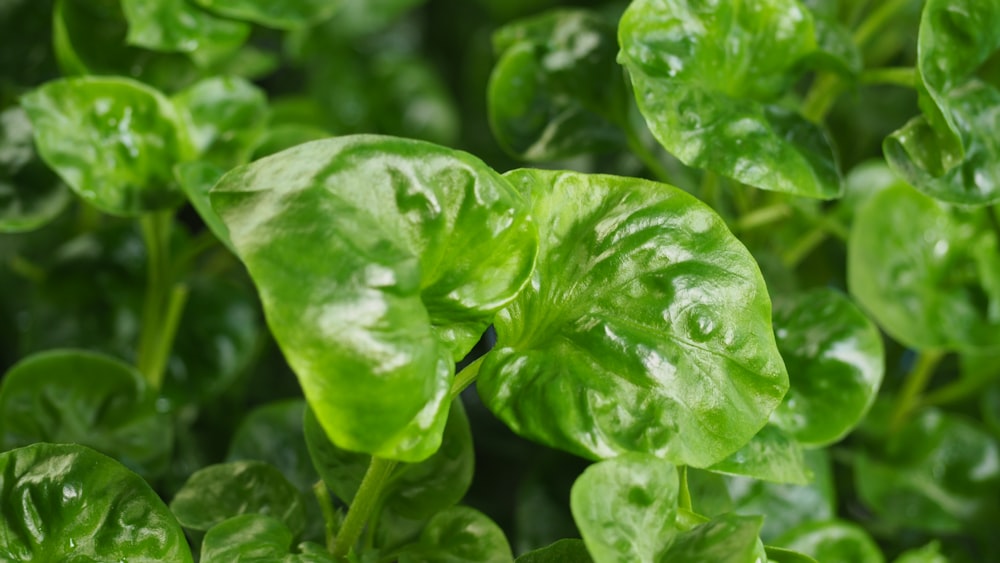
{"type": "Point", "coordinates": [898, 76]}
{"type": "Point", "coordinates": [874, 23]}
{"type": "Point", "coordinates": [913, 387]}
{"type": "Point", "coordinates": [465, 377]}
{"type": "Point", "coordinates": [361, 508]}
{"type": "Point", "coordinates": [684, 495]}
{"type": "Point", "coordinates": [156, 235]}
{"type": "Point", "coordinates": [331, 520]}
{"type": "Point", "coordinates": [168, 331]}
{"type": "Point", "coordinates": [763, 216]}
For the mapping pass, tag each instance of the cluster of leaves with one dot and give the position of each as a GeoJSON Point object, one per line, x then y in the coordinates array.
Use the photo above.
{"type": "Point", "coordinates": [259, 306]}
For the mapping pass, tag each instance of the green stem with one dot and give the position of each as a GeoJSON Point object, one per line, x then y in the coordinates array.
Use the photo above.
{"type": "Point", "coordinates": [709, 190]}
{"type": "Point", "coordinates": [168, 331]}
{"type": "Point", "coordinates": [763, 216]}
{"type": "Point", "coordinates": [361, 508]}
{"type": "Point", "coordinates": [156, 234]}
{"type": "Point", "coordinates": [465, 377]}
{"type": "Point", "coordinates": [684, 495]}
{"type": "Point", "coordinates": [913, 387]}
{"type": "Point", "coordinates": [27, 269]}
{"type": "Point", "coordinates": [646, 156]}
{"type": "Point", "coordinates": [877, 20]}
{"type": "Point", "coordinates": [805, 245]}
{"type": "Point", "coordinates": [822, 94]}
{"type": "Point", "coordinates": [905, 76]}
{"type": "Point", "coordinates": [330, 518]}
{"type": "Point", "coordinates": [954, 392]}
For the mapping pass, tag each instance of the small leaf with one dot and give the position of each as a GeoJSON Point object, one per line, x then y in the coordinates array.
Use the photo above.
{"type": "Point", "coordinates": [288, 14]}
{"type": "Point", "coordinates": [782, 555]}
{"type": "Point", "coordinates": [772, 455]}
{"type": "Point", "coordinates": [726, 539]}
{"type": "Point", "coordinates": [459, 535]}
{"type": "Point", "coordinates": [219, 492]}
{"type": "Point", "coordinates": [255, 537]}
{"type": "Point", "coordinates": [70, 503]}
{"type": "Point", "coordinates": [274, 434]}
{"type": "Point", "coordinates": [114, 141]}
{"type": "Point", "coordinates": [225, 117]}
{"type": "Point", "coordinates": [646, 326]}
{"type": "Point", "coordinates": [543, 102]}
{"type": "Point", "coordinates": [925, 272]}
{"type": "Point", "coordinates": [708, 78]}
{"type": "Point", "coordinates": [30, 194]}
{"type": "Point", "coordinates": [833, 541]}
{"type": "Point", "coordinates": [73, 396]}
{"type": "Point", "coordinates": [380, 262]}
{"type": "Point", "coordinates": [179, 25]}
{"type": "Point", "coordinates": [562, 551]}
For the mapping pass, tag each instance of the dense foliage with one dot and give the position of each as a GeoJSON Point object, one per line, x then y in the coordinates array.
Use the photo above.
{"type": "Point", "coordinates": [470, 280]}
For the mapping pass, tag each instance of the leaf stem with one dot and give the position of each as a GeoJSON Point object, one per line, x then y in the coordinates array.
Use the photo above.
{"type": "Point", "coordinates": [877, 20]}
{"type": "Point", "coordinates": [642, 152]}
{"type": "Point", "coordinates": [330, 518]}
{"type": "Point", "coordinates": [168, 331]}
{"type": "Point", "coordinates": [465, 377]}
{"type": "Point", "coordinates": [805, 245]}
{"type": "Point", "coordinates": [822, 94]}
{"type": "Point", "coordinates": [914, 385]}
{"type": "Point", "coordinates": [156, 234]}
{"type": "Point", "coordinates": [763, 216]}
{"type": "Point", "coordinates": [361, 508]}
{"type": "Point", "coordinates": [905, 76]}
{"type": "Point", "coordinates": [684, 494]}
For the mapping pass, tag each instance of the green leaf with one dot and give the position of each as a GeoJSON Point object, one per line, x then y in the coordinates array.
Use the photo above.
{"type": "Point", "coordinates": [289, 14]}
{"type": "Point", "coordinates": [834, 540]}
{"type": "Point", "coordinates": [925, 272]}
{"type": "Point", "coordinates": [459, 535]}
{"type": "Point", "coordinates": [274, 433]}
{"type": "Point", "coordinates": [70, 503]}
{"type": "Point", "coordinates": [646, 327]}
{"type": "Point", "coordinates": [835, 46]}
{"type": "Point", "coordinates": [827, 344]}
{"type": "Point", "coordinates": [543, 102]}
{"type": "Point", "coordinates": [782, 555]}
{"type": "Point", "coordinates": [30, 194]}
{"type": "Point", "coordinates": [413, 99]}
{"type": "Point", "coordinates": [73, 396]}
{"type": "Point", "coordinates": [280, 137]}
{"type": "Point", "coordinates": [219, 492]}
{"type": "Point", "coordinates": [915, 150]}
{"type": "Point", "coordinates": [380, 262]}
{"type": "Point", "coordinates": [726, 539]}
{"type": "Point", "coordinates": [772, 455]}
{"type": "Point", "coordinates": [941, 474]}
{"type": "Point", "coordinates": [562, 551]}
{"type": "Point", "coordinates": [360, 18]}
{"type": "Point", "coordinates": [225, 118]}
{"type": "Point", "coordinates": [255, 537]}
{"type": "Point", "coordinates": [414, 491]}
{"type": "Point", "coordinates": [708, 78]}
{"type": "Point", "coordinates": [930, 553]}
{"type": "Point", "coordinates": [179, 25]}
{"type": "Point", "coordinates": [196, 178]}
{"type": "Point", "coordinates": [114, 141]}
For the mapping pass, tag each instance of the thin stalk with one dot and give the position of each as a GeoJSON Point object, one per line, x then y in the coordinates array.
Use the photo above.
{"type": "Point", "coordinates": [644, 155]}
{"type": "Point", "coordinates": [805, 245]}
{"type": "Point", "coordinates": [361, 508]}
{"type": "Point", "coordinates": [709, 189]}
{"type": "Point", "coordinates": [331, 520]}
{"type": "Point", "coordinates": [877, 20]}
{"type": "Point", "coordinates": [684, 495]}
{"type": "Point", "coordinates": [905, 76]}
{"type": "Point", "coordinates": [913, 387]}
{"type": "Point", "coordinates": [171, 320]}
{"type": "Point", "coordinates": [465, 377]}
{"type": "Point", "coordinates": [27, 269]}
{"type": "Point", "coordinates": [953, 392]}
{"type": "Point", "coordinates": [822, 94]}
{"type": "Point", "coordinates": [763, 216]}
{"type": "Point", "coordinates": [156, 235]}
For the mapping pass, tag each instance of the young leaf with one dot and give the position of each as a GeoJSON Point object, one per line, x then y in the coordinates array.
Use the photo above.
{"type": "Point", "coordinates": [708, 78]}
{"type": "Point", "coordinates": [255, 537]}
{"type": "Point", "coordinates": [543, 101]}
{"type": "Point", "coordinates": [380, 262]}
{"type": "Point", "coordinates": [772, 455]}
{"type": "Point", "coordinates": [273, 433]}
{"type": "Point", "coordinates": [562, 551]}
{"type": "Point", "coordinates": [926, 272]}
{"type": "Point", "coordinates": [225, 118]}
{"type": "Point", "coordinates": [289, 14]}
{"type": "Point", "coordinates": [73, 396]}
{"type": "Point", "coordinates": [219, 492]}
{"type": "Point", "coordinates": [834, 540]}
{"type": "Point", "coordinates": [30, 194]}
{"type": "Point", "coordinates": [114, 141]}
{"type": "Point", "coordinates": [459, 535]}
{"type": "Point", "coordinates": [646, 326]}
{"type": "Point", "coordinates": [179, 25]}
{"type": "Point", "coordinates": [64, 502]}
{"type": "Point", "coordinates": [414, 491]}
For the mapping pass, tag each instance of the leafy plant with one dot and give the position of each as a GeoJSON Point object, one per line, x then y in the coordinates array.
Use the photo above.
{"type": "Point", "coordinates": [281, 288]}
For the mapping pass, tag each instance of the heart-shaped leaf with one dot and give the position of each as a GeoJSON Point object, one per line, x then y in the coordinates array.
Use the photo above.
{"type": "Point", "coordinates": [65, 502]}
{"type": "Point", "coordinates": [257, 537]}
{"type": "Point", "coordinates": [459, 535]}
{"type": "Point", "coordinates": [708, 78]}
{"type": "Point", "coordinates": [646, 326]}
{"type": "Point", "coordinates": [380, 262]}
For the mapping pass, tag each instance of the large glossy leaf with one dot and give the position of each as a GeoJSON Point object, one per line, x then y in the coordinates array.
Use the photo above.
{"type": "Point", "coordinates": [30, 194]}
{"type": "Point", "coordinates": [257, 537]}
{"type": "Point", "coordinates": [219, 492]}
{"type": "Point", "coordinates": [225, 117]}
{"type": "Point", "coordinates": [926, 272]}
{"type": "Point", "coordinates": [70, 503]}
{"type": "Point", "coordinates": [414, 491]}
{"type": "Point", "coordinates": [543, 101]}
{"type": "Point", "coordinates": [708, 78]}
{"type": "Point", "coordinates": [114, 141]}
{"type": "Point", "coordinates": [835, 364]}
{"type": "Point", "coordinates": [626, 509]}
{"type": "Point", "coordinates": [72, 396]}
{"type": "Point", "coordinates": [833, 540]}
{"type": "Point", "coordinates": [562, 551]}
{"type": "Point", "coordinates": [459, 535]}
{"type": "Point", "coordinates": [941, 474]}
{"type": "Point", "coordinates": [646, 326]}
{"type": "Point", "coordinates": [289, 14]}
{"type": "Point", "coordinates": [380, 262]}
{"type": "Point", "coordinates": [179, 25]}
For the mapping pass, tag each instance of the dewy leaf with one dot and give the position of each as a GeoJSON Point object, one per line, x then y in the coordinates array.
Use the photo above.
{"type": "Point", "coordinates": [254, 537]}
{"type": "Point", "coordinates": [646, 327]}
{"type": "Point", "coordinates": [772, 455]}
{"type": "Point", "coordinates": [225, 116]}
{"type": "Point", "coordinates": [459, 535]}
{"type": "Point", "coordinates": [196, 178]}
{"type": "Point", "coordinates": [543, 100]}
{"type": "Point", "coordinates": [288, 14]}
{"type": "Point", "coordinates": [827, 345]}
{"type": "Point", "coordinates": [218, 492]}
{"type": "Point", "coordinates": [179, 25]}
{"type": "Point", "coordinates": [72, 396]}
{"type": "Point", "coordinates": [380, 262]}
{"type": "Point", "coordinates": [64, 502]}
{"type": "Point", "coordinates": [414, 491]}
{"type": "Point", "coordinates": [30, 194]}
{"type": "Point", "coordinates": [562, 551]}
{"type": "Point", "coordinates": [924, 271]}
{"type": "Point", "coordinates": [708, 77]}
{"type": "Point", "coordinates": [834, 540]}
{"type": "Point", "coordinates": [114, 141]}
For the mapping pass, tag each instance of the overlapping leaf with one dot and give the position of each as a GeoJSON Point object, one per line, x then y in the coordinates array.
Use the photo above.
{"type": "Point", "coordinates": [708, 78]}
{"type": "Point", "coordinates": [179, 25]}
{"type": "Point", "coordinates": [460, 535]}
{"type": "Point", "coordinates": [30, 194]}
{"type": "Point", "coordinates": [380, 262]}
{"type": "Point", "coordinates": [225, 118]}
{"type": "Point", "coordinates": [257, 537]}
{"type": "Point", "coordinates": [646, 326]}
{"type": "Point", "coordinates": [288, 14]}
{"type": "Point", "coordinates": [834, 540]}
